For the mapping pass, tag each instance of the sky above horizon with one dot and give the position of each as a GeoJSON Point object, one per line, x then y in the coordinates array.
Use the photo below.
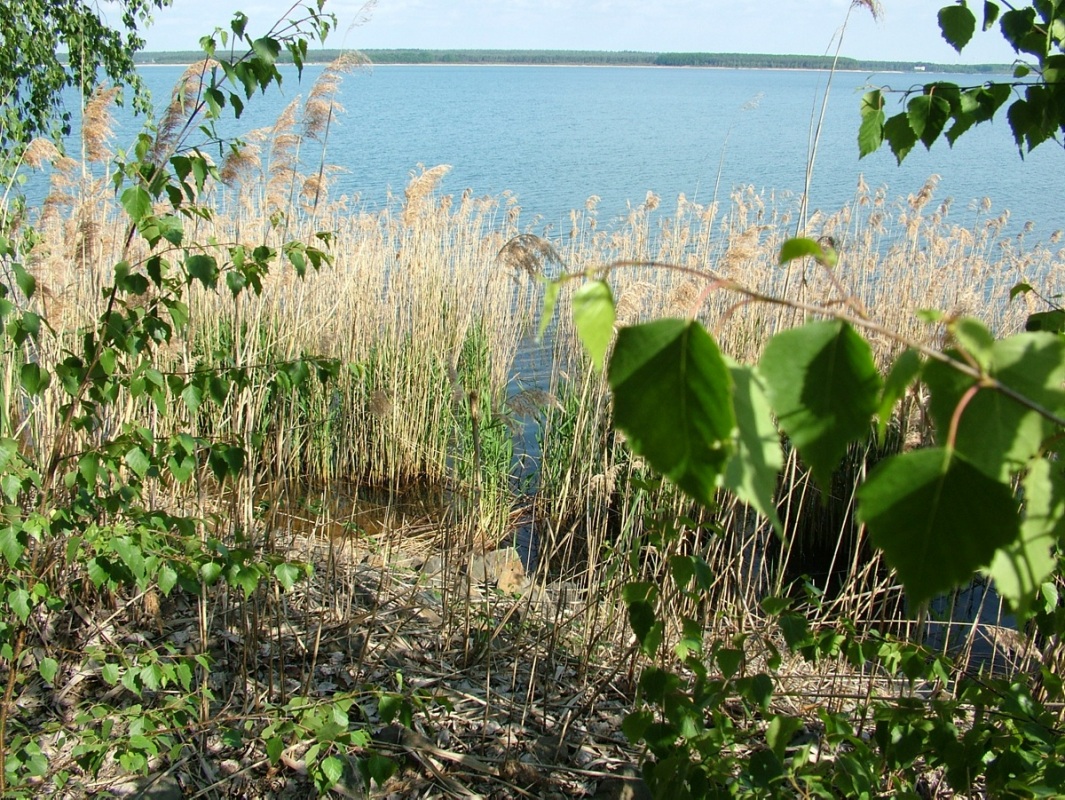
{"type": "Point", "coordinates": [907, 29]}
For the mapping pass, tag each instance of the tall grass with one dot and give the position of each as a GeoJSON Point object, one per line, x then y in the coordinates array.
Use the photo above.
{"type": "Point", "coordinates": [428, 320]}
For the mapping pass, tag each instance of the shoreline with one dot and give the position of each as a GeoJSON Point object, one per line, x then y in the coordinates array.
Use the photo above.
{"type": "Point", "coordinates": [528, 65]}
{"type": "Point", "coordinates": [592, 58]}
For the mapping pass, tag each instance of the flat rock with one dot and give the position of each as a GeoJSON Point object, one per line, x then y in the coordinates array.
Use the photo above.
{"type": "Point", "coordinates": [501, 568]}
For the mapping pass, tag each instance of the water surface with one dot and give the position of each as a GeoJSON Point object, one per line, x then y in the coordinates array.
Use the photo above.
{"type": "Point", "coordinates": [556, 135]}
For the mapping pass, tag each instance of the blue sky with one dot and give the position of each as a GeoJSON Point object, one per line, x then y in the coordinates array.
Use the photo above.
{"type": "Point", "coordinates": [907, 29]}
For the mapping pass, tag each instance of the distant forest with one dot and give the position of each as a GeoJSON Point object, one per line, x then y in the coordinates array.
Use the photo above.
{"type": "Point", "coordinates": [620, 58]}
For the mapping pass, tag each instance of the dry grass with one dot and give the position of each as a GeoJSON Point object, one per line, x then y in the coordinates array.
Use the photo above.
{"type": "Point", "coordinates": [437, 333]}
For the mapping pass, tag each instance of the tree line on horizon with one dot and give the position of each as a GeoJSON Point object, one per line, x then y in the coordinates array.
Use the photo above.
{"type": "Point", "coordinates": [611, 58]}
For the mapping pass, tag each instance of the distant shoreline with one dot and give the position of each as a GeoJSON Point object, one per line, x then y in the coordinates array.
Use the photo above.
{"type": "Point", "coordinates": [592, 58]}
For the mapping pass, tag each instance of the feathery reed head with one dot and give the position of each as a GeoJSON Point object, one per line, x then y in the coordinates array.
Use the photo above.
{"type": "Point", "coordinates": [420, 189]}
{"type": "Point", "coordinates": [183, 103]}
{"type": "Point", "coordinates": [97, 124]}
{"type": "Point", "coordinates": [528, 253]}
{"type": "Point", "coordinates": [40, 152]}
{"type": "Point", "coordinates": [876, 10]}
{"type": "Point", "coordinates": [284, 155]}
{"type": "Point", "coordinates": [243, 160]}
{"type": "Point", "coordinates": [321, 105]}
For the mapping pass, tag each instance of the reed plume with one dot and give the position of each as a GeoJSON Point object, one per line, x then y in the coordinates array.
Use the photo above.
{"type": "Point", "coordinates": [243, 161]}
{"type": "Point", "coordinates": [874, 7]}
{"type": "Point", "coordinates": [184, 101]}
{"type": "Point", "coordinates": [529, 254]}
{"type": "Point", "coordinates": [97, 125]}
{"type": "Point", "coordinates": [419, 191]}
{"type": "Point", "coordinates": [322, 106]}
{"type": "Point", "coordinates": [283, 168]}
{"type": "Point", "coordinates": [40, 152]}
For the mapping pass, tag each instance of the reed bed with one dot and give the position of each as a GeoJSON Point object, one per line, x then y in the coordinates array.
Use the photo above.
{"type": "Point", "coordinates": [445, 384]}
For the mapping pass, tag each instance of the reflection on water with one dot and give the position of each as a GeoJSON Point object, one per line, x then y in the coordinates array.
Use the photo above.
{"type": "Point", "coordinates": [417, 516]}
{"type": "Point", "coordinates": [348, 509]}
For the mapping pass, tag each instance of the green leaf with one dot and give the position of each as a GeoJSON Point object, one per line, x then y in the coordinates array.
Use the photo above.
{"type": "Point", "coordinates": [209, 572]}
{"type": "Point", "coordinates": [958, 24]}
{"type": "Point", "coordinates": [378, 768]}
{"type": "Point", "coordinates": [1049, 321]}
{"type": "Point", "coordinates": [990, 14]}
{"type": "Point", "coordinates": [927, 115]}
{"type": "Point", "coordinates": [274, 748]}
{"type": "Point", "coordinates": [551, 290]}
{"type": "Point", "coordinates": [266, 48]}
{"type": "Point", "coordinates": [824, 388]}
{"type": "Point", "coordinates": [179, 313]}
{"type": "Point", "coordinates": [48, 669]}
{"type": "Point", "coordinates": [19, 601]}
{"type": "Point", "coordinates": [108, 360]}
{"type": "Point", "coordinates": [871, 130]}
{"type": "Point", "coordinates": [204, 268]}
{"type": "Point", "coordinates": [975, 339]}
{"type": "Point", "coordinates": [728, 661]}
{"type": "Point", "coordinates": [752, 472]}
{"type": "Point", "coordinates": [781, 731]}
{"type": "Point", "coordinates": [236, 282]}
{"type": "Point", "coordinates": [231, 737]}
{"type": "Point", "coordinates": [88, 467]}
{"type": "Point", "coordinates": [137, 202]}
{"type": "Point", "coordinates": [138, 461]}
{"type": "Point", "coordinates": [34, 379]}
{"type": "Point", "coordinates": [642, 620]}
{"type": "Point", "coordinates": [11, 544]}
{"type": "Point", "coordinates": [903, 372]}
{"type": "Point", "coordinates": [11, 486]}
{"type": "Point", "coordinates": [332, 769]}
{"type": "Point", "coordinates": [287, 575]}
{"type": "Point", "coordinates": [683, 569]}
{"type": "Point", "coordinates": [593, 316]}
{"type": "Point", "coordinates": [109, 673]}
{"type": "Point", "coordinates": [673, 400]}
{"type": "Point", "coordinates": [166, 578]}
{"type": "Point", "coordinates": [995, 432]}
{"type": "Point", "coordinates": [26, 282]}
{"type": "Point", "coordinates": [636, 724]}
{"type": "Point", "coordinates": [388, 707]}
{"type": "Point", "coordinates": [181, 465]}
{"type": "Point", "coordinates": [759, 690]}
{"type": "Point", "coordinates": [800, 248]}
{"type": "Point", "coordinates": [8, 450]}
{"type": "Point", "coordinates": [900, 136]}
{"type": "Point", "coordinates": [192, 395]}
{"type": "Point", "coordinates": [1020, 289]}
{"type": "Point", "coordinates": [920, 510]}
{"type": "Point", "coordinates": [246, 577]}
{"type": "Point", "coordinates": [1021, 567]}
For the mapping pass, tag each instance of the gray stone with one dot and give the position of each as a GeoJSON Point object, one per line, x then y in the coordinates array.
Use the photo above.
{"type": "Point", "coordinates": [501, 568]}
{"type": "Point", "coordinates": [433, 565]}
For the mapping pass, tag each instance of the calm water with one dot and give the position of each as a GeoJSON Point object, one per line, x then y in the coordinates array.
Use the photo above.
{"type": "Point", "coordinates": [555, 135]}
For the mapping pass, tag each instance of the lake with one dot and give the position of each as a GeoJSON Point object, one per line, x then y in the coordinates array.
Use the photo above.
{"type": "Point", "coordinates": [556, 135]}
